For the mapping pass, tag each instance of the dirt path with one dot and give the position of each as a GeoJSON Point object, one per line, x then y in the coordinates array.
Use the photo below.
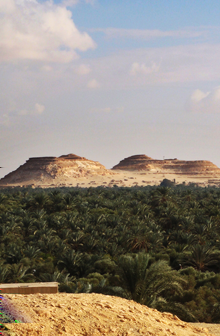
{"type": "Point", "coordinates": [94, 315]}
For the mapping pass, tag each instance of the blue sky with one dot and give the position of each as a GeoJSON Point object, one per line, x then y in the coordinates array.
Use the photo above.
{"type": "Point", "coordinates": [109, 79]}
{"type": "Point", "coordinates": [145, 14]}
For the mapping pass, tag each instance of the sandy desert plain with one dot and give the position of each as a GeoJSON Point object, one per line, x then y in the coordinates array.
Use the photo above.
{"type": "Point", "coordinates": [129, 179]}
{"type": "Point", "coordinates": [121, 179]}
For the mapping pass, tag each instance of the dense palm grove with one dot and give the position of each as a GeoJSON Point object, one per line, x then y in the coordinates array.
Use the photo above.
{"type": "Point", "coordinates": [158, 246]}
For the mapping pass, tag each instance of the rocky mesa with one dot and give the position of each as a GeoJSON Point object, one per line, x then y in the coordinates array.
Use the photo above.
{"type": "Point", "coordinates": [168, 166]}
{"type": "Point", "coordinates": [48, 170]}
{"type": "Point", "coordinates": [138, 170]}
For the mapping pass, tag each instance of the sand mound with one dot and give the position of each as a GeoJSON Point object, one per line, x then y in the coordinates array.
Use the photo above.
{"type": "Point", "coordinates": [93, 315]}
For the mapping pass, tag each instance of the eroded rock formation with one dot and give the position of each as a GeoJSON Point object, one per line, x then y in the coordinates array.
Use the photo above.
{"type": "Point", "coordinates": [172, 166]}
{"type": "Point", "coordinates": [73, 170]}
{"type": "Point", "coordinates": [46, 170]}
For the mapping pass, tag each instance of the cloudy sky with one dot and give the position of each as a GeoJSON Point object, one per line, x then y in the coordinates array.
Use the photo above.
{"type": "Point", "coordinates": [107, 79]}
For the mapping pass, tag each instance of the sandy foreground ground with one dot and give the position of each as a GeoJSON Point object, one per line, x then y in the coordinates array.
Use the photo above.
{"type": "Point", "coordinates": [212, 328]}
{"type": "Point", "coordinates": [94, 315]}
{"type": "Point", "coordinates": [123, 179]}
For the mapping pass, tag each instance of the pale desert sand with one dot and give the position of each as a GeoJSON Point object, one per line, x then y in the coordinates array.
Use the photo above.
{"type": "Point", "coordinates": [123, 179]}
{"type": "Point", "coordinates": [212, 328]}
{"type": "Point", "coordinates": [94, 315]}
{"type": "Point", "coordinates": [132, 178]}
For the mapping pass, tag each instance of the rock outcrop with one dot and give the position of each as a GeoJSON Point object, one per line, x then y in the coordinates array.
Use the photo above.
{"type": "Point", "coordinates": [168, 166]}
{"type": "Point", "coordinates": [47, 170]}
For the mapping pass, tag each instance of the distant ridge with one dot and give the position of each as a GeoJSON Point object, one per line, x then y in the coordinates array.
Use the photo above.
{"type": "Point", "coordinates": [74, 170]}
{"type": "Point", "coordinates": [172, 166]}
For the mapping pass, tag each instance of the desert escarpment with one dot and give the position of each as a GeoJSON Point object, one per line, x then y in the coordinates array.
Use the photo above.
{"type": "Point", "coordinates": [137, 170]}
{"type": "Point", "coordinates": [48, 170]}
{"type": "Point", "coordinates": [168, 166]}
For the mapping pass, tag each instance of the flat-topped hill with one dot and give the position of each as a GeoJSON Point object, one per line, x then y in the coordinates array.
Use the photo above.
{"type": "Point", "coordinates": [47, 170]}
{"type": "Point", "coordinates": [138, 170]}
{"type": "Point", "coordinates": [169, 166]}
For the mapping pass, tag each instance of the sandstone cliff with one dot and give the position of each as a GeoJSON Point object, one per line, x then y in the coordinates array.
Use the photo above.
{"type": "Point", "coordinates": [47, 170]}
{"type": "Point", "coordinates": [168, 166]}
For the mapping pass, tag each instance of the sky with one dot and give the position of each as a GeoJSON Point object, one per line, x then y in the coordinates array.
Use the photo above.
{"type": "Point", "coordinates": [107, 79]}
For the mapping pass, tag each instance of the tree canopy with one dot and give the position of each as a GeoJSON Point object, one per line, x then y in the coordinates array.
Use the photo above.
{"type": "Point", "coordinates": [156, 245]}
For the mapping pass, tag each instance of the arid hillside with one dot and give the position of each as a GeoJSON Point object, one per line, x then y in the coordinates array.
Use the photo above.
{"type": "Point", "coordinates": [137, 170]}
{"type": "Point", "coordinates": [50, 170]}
{"type": "Point", "coordinates": [172, 166]}
{"type": "Point", "coordinates": [94, 314]}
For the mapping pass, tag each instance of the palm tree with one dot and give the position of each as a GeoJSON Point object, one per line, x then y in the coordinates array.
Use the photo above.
{"type": "Point", "coordinates": [61, 246]}
{"type": "Point", "coordinates": [147, 282]}
{"type": "Point", "coordinates": [3, 198]}
{"type": "Point", "coordinates": [56, 276]}
{"type": "Point", "coordinates": [27, 222]}
{"type": "Point", "coordinates": [19, 273]}
{"type": "Point", "coordinates": [201, 257]}
{"type": "Point", "coordinates": [72, 261]}
{"type": "Point", "coordinates": [77, 240]}
{"type": "Point", "coordinates": [40, 201]}
{"type": "Point", "coordinates": [138, 243]}
{"type": "Point", "coordinates": [32, 252]}
{"type": "Point", "coordinates": [4, 271]}
{"type": "Point", "coordinates": [14, 253]}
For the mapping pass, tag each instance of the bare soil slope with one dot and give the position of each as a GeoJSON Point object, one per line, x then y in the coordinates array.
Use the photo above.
{"type": "Point", "coordinates": [94, 315]}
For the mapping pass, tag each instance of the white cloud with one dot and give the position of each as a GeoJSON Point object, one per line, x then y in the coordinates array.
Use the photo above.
{"type": "Point", "coordinates": [148, 34]}
{"type": "Point", "coordinates": [198, 95]}
{"type": "Point", "coordinates": [205, 102]}
{"type": "Point", "coordinates": [39, 31]}
{"type": "Point", "coordinates": [83, 69]}
{"type": "Point", "coordinates": [176, 64]}
{"type": "Point", "coordinates": [7, 6]}
{"type": "Point", "coordinates": [93, 84]}
{"type": "Point", "coordinates": [37, 110]}
{"type": "Point", "coordinates": [142, 68]}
